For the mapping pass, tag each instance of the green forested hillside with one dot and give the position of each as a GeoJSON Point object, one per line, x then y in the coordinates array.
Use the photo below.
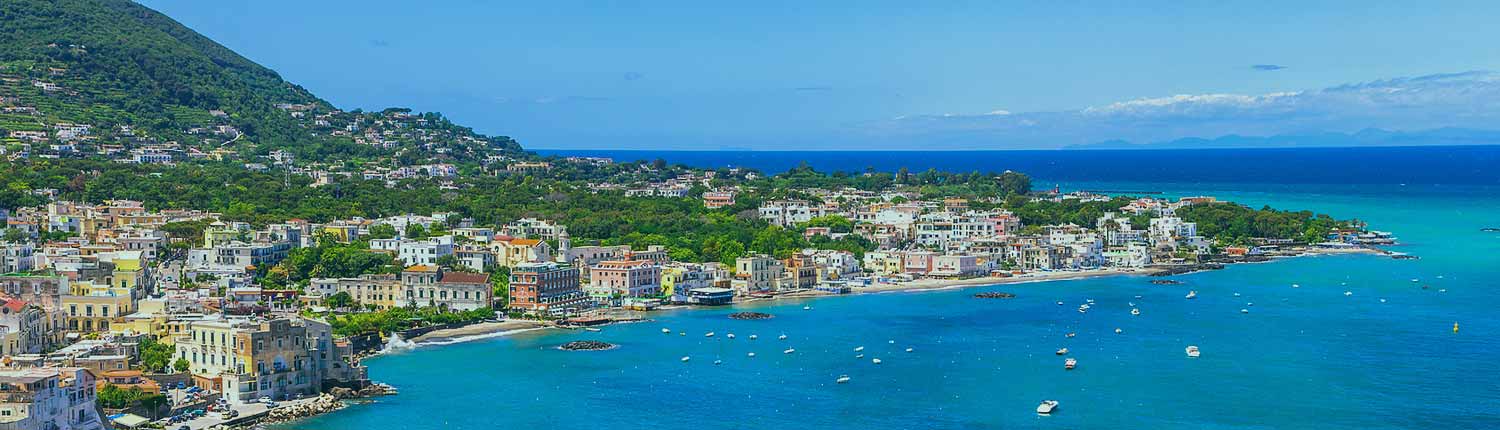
{"type": "Point", "coordinates": [113, 63]}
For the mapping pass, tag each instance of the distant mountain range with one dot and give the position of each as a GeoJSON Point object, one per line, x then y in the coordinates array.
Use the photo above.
{"type": "Point", "coordinates": [1363, 138]}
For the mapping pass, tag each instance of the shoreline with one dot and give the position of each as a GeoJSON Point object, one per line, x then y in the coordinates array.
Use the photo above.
{"type": "Point", "coordinates": [488, 330]}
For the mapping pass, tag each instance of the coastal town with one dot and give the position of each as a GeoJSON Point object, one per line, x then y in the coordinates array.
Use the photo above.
{"type": "Point", "coordinates": [226, 251]}
{"type": "Point", "coordinates": [146, 323]}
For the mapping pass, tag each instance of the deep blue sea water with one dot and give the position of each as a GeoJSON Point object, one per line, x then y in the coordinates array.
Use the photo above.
{"type": "Point", "coordinates": [1305, 357]}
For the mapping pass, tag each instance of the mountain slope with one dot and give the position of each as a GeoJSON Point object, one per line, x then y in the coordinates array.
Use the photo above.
{"type": "Point", "coordinates": [113, 63]}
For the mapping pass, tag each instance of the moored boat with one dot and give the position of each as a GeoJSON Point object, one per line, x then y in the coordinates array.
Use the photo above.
{"type": "Point", "coordinates": [1046, 407]}
{"type": "Point", "coordinates": [1070, 363]}
{"type": "Point", "coordinates": [1192, 351]}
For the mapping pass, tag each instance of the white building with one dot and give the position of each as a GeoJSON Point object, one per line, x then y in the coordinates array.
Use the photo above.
{"type": "Point", "coordinates": [49, 398]}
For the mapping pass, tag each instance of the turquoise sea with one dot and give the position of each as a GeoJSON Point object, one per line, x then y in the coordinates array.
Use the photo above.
{"type": "Point", "coordinates": [1307, 357]}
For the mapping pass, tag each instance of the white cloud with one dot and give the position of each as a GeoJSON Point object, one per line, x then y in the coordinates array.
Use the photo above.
{"type": "Point", "coordinates": [1470, 99]}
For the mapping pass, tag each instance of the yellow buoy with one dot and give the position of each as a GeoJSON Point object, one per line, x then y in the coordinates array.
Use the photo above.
{"type": "Point", "coordinates": [1455, 327]}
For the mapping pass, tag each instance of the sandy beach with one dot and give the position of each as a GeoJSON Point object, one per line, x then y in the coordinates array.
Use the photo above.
{"type": "Point", "coordinates": [473, 330]}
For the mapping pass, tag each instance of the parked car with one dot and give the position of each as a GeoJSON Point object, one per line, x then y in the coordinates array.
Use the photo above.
{"type": "Point", "coordinates": [271, 405]}
{"type": "Point", "coordinates": [265, 399]}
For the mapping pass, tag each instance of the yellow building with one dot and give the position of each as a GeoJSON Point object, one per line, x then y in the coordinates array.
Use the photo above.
{"type": "Point", "coordinates": [96, 311]}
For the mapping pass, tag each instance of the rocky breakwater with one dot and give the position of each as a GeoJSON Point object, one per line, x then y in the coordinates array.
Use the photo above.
{"type": "Point", "coordinates": [322, 404]}
{"type": "Point", "coordinates": [750, 316]}
{"type": "Point", "coordinates": [586, 345]}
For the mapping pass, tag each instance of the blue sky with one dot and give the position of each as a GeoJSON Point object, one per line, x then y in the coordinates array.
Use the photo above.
{"type": "Point", "coordinates": [893, 75]}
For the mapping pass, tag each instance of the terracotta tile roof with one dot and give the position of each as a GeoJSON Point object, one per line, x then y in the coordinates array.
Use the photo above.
{"type": "Point", "coordinates": [465, 278]}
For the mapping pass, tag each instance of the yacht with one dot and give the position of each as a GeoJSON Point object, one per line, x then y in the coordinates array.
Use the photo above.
{"type": "Point", "coordinates": [908, 349]}
{"type": "Point", "coordinates": [859, 348]}
{"type": "Point", "coordinates": [666, 331]}
{"type": "Point", "coordinates": [1134, 311]}
{"type": "Point", "coordinates": [754, 337]}
{"type": "Point", "coordinates": [874, 361]}
{"type": "Point", "coordinates": [686, 358]}
{"type": "Point", "coordinates": [1062, 351]}
{"type": "Point", "coordinates": [750, 354]}
{"type": "Point", "coordinates": [1118, 331]}
{"type": "Point", "coordinates": [1348, 293]}
{"type": "Point", "coordinates": [1192, 294]}
{"type": "Point", "coordinates": [842, 379]}
{"type": "Point", "coordinates": [709, 334]}
{"type": "Point", "coordinates": [1059, 303]}
{"type": "Point", "coordinates": [1070, 363]}
{"type": "Point", "coordinates": [1244, 311]}
{"type": "Point", "coordinates": [1192, 351]}
{"type": "Point", "coordinates": [859, 356]}
{"type": "Point", "coordinates": [807, 308]}
{"type": "Point", "coordinates": [789, 351]}
{"type": "Point", "coordinates": [1046, 407]}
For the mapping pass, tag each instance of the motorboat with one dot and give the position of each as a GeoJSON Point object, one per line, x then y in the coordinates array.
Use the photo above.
{"type": "Point", "coordinates": [750, 354]}
{"type": "Point", "coordinates": [1070, 363]}
{"type": "Point", "coordinates": [666, 331]}
{"type": "Point", "coordinates": [874, 361]}
{"type": "Point", "coordinates": [1244, 311]}
{"type": "Point", "coordinates": [1119, 331]}
{"type": "Point", "coordinates": [1059, 303]}
{"type": "Point", "coordinates": [859, 356]}
{"type": "Point", "coordinates": [1192, 351]}
{"type": "Point", "coordinates": [1070, 334]}
{"type": "Point", "coordinates": [842, 379]}
{"type": "Point", "coordinates": [686, 358]}
{"type": "Point", "coordinates": [859, 348]}
{"type": "Point", "coordinates": [1236, 294]}
{"type": "Point", "coordinates": [754, 337]}
{"type": "Point", "coordinates": [1062, 351]}
{"type": "Point", "coordinates": [718, 362]}
{"type": "Point", "coordinates": [1046, 407]}
{"type": "Point", "coordinates": [782, 337]}
{"type": "Point", "coordinates": [908, 349]}
{"type": "Point", "coordinates": [1192, 294]}
{"type": "Point", "coordinates": [731, 335]}
{"type": "Point", "coordinates": [1348, 293]}
{"type": "Point", "coordinates": [709, 334]}
{"type": "Point", "coordinates": [789, 351]}
{"type": "Point", "coordinates": [1134, 311]}
{"type": "Point", "coordinates": [807, 308]}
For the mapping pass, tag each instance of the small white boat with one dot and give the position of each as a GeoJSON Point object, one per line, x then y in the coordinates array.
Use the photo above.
{"type": "Point", "coordinates": [1382, 300]}
{"type": "Point", "coordinates": [1070, 334]}
{"type": "Point", "coordinates": [1236, 294]}
{"type": "Point", "coordinates": [842, 379]}
{"type": "Point", "coordinates": [875, 361]}
{"type": "Point", "coordinates": [1134, 311]}
{"type": "Point", "coordinates": [1296, 286]}
{"type": "Point", "coordinates": [1348, 293]}
{"type": "Point", "coordinates": [666, 331]}
{"type": "Point", "coordinates": [859, 348]}
{"type": "Point", "coordinates": [709, 334]}
{"type": "Point", "coordinates": [1091, 301]}
{"type": "Point", "coordinates": [789, 351]}
{"type": "Point", "coordinates": [1118, 331]}
{"type": "Point", "coordinates": [1138, 297]}
{"type": "Point", "coordinates": [750, 354]}
{"type": "Point", "coordinates": [1192, 351]}
{"type": "Point", "coordinates": [1046, 407]}
{"type": "Point", "coordinates": [1415, 280]}
{"type": "Point", "coordinates": [682, 333]}
{"type": "Point", "coordinates": [859, 356]}
{"type": "Point", "coordinates": [892, 341]}
{"type": "Point", "coordinates": [782, 337]}
{"type": "Point", "coordinates": [1244, 311]}
{"type": "Point", "coordinates": [686, 358]}
{"type": "Point", "coordinates": [1062, 351]}
{"type": "Point", "coordinates": [1131, 304]}
{"type": "Point", "coordinates": [1192, 294]}
{"type": "Point", "coordinates": [1442, 290]}
{"type": "Point", "coordinates": [1070, 363]}
{"type": "Point", "coordinates": [718, 362]}
{"type": "Point", "coordinates": [731, 335]}
{"type": "Point", "coordinates": [908, 349]}
{"type": "Point", "coordinates": [1059, 303]}
{"type": "Point", "coordinates": [592, 329]}
{"type": "Point", "coordinates": [754, 337]}
{"type": "Point", "coordinates": [807, 308]}
{"type": "Point", "coordinates": [1250, 304]}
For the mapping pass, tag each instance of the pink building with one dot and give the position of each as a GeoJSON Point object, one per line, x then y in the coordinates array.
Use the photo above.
{"type": "Point", "coordinates": [624, 278]}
